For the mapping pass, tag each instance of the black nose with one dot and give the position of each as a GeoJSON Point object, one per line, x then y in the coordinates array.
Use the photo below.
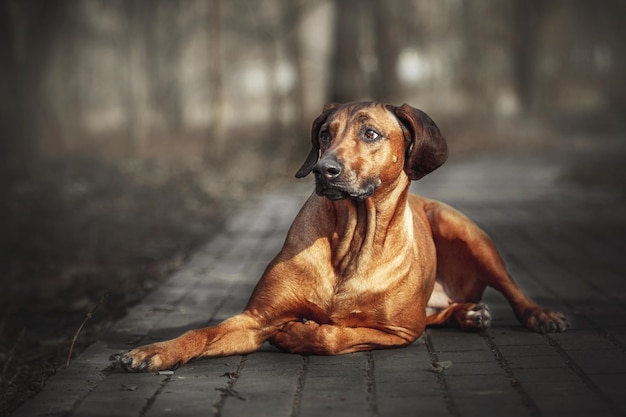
{"type": "Point", "coordinates": [329, 168]}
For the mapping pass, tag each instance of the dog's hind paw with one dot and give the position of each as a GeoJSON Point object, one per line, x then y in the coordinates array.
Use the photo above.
{"type": "Point", "coordinates": [542, 320]}
{"type": "Point", "coordinates": [474, 317]}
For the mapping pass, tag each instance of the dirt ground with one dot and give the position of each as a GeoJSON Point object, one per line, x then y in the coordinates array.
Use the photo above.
{"type": "Point", "coordinates": [85, 235]}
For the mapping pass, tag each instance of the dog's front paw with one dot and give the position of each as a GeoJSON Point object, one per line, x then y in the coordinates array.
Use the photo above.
{"type": "Point", "coordinates": [297, 337]}
{"type": "Point", "coordinates": [542, 320]}
{"type": "Point", "coordinates": [149, 358]}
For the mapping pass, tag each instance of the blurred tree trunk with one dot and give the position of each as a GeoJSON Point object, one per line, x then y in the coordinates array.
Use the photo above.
{"type": "Point", "coordinates": [386, 22]}
{"type": "Point", "coordinates": [347, 80]}
{"type": "Point", "coordinates": [165, 46]}
{"type": "Point", "coordinates": [523, 50]}
{"type": "Point", "coordinates": [469, 75]}
{"type": "Point", "coordinates": [12, 56]}
{"type": "Point", "coordinates": [616, 89]}
{"type": "Point", "coordinates": [28, 31]}
{"type": "Point", "coordinates": [272, 65]}
{"type": "Point", "coordinates": [292, 22]}
{"type": "Point", "coordinates": [366, 50]}
{"type": "Point", "coordinates": [296, 99]}
{"type": "Point", "coordinates": [216, 145]}
{"type": "Point", "coordinates": [138, 88]}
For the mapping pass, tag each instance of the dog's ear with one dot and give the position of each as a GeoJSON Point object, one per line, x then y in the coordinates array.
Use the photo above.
{"type": "Point", "coordinates": [426, 149]}
{"type": "Point", "coordinates": [314, 153]}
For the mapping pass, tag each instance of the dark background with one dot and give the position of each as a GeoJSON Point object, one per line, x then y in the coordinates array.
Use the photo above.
{"type": "Point", "coordinates": [130, 128]}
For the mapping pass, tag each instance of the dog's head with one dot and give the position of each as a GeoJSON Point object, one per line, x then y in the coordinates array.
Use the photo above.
{"type": "Point", "coordinates": [358, 147]}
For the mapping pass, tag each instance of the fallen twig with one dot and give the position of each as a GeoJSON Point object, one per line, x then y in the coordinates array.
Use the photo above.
{"type": "Point", "coordinates": [89, 315]}
{"type": "Point", "coordinates": [19, 337]}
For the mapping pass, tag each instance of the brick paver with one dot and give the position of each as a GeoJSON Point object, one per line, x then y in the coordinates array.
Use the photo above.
{"type": "Point", "coordinates": [562, 242]}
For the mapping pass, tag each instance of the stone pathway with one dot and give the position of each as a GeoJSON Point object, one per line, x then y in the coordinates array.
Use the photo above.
{"type": "Point", "coordinates": [563, 243]}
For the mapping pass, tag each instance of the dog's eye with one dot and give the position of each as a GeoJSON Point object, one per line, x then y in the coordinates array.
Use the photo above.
{"type": "Point", "coordinates": [324, 137]}
{"type": "Point", "coordinates": [371, 135]}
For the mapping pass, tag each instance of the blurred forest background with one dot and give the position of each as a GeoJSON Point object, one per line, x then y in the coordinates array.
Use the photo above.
{"type": "Point", "coordinates": [128, 128]}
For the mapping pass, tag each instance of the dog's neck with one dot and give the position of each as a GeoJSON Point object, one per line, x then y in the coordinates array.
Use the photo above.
{"type": "Point", "coordinates": [362, 225]}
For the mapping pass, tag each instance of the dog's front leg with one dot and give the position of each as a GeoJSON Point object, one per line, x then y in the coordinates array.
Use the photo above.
{"type": "Point", "coordinates": [237, 335]}
{"type": "Point", "coordinates": [328, 339]}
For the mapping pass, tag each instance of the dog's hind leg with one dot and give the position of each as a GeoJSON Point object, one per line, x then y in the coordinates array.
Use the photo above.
{"type": "Point", "coordinates": [468, 261]}
{"type": "Point", "coordinates": [468, 316]}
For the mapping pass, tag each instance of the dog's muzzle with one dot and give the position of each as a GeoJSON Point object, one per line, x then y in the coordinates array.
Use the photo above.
{"type": "Point", "coordinates": [330, 183]}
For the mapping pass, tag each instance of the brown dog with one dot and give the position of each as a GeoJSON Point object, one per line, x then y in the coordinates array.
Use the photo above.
{"type": "Point", "coordinates": [364, 259]}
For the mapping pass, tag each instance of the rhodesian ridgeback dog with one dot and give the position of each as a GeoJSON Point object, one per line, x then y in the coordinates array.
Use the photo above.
{"type": "Point", "coordinates": [365, 264]}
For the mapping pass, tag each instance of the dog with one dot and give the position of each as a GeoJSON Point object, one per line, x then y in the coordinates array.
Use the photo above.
{"type": "Point", "coordinates": [365, 264]}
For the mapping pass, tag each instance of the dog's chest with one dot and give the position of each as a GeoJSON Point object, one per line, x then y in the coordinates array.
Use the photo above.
{"type": "Point", "coordinates": [365, 300]}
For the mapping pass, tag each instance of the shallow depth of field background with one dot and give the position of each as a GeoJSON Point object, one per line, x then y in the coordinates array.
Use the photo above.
{"type": "Point", "coordinates": [129, 129]}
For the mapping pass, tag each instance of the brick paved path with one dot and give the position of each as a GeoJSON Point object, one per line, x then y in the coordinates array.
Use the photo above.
{"type": "Point", "coordinates": [563, 243]}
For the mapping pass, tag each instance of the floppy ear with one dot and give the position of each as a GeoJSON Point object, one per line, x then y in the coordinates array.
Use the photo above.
{"type": "Point", "coordinates": [426, 149]}
{"type": "Point", "coordinates": [314, 153]}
